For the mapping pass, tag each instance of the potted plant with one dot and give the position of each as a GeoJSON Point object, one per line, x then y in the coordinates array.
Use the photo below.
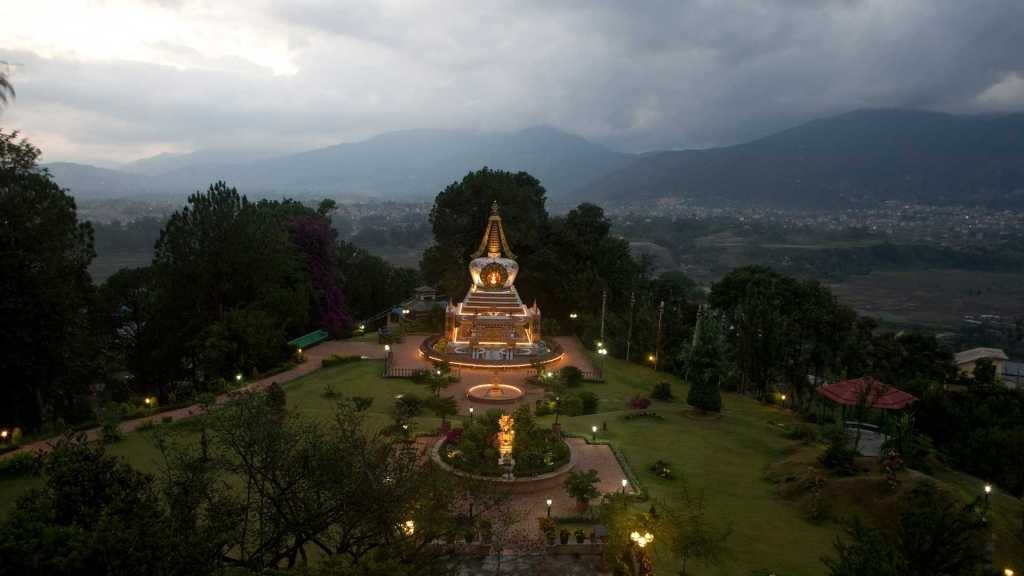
{"type": "Point", "coordinates": [582, 487]}
{"type": "Point", "coordinates": [581, 536]}
{"type": "Point", "coordinates": [563, 536]}
{"type": "Point", "coordinates": [547, 526]}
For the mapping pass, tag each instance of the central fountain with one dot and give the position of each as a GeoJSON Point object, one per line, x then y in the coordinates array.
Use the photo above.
{"type": "Point", "coordinates": [495, 392]}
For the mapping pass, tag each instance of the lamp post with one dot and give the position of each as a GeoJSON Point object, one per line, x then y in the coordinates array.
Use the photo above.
{"type": "Point", "coordinates": [602, 352]}
{"type": "Point", "coordinates": [657, 346]}
{"type": "Point", "coordinates": [593, 430]}
{"type": "Point", "coordinates": [641, 563]}
{"type": "Point", "coordinates": [988, 496]}
{"type": "Point", "coordinates": [624, 484]}
{"type": "Point", "coordinates": [604, 304]}
{"type": "Point", "coordinates": [549, 507]}
{"type": "Point", "coordinates": [387, 358]}
{"type": "Point", "coordinates": [629, 331]}
{"type": "Point", "coordinates": [470, 413]}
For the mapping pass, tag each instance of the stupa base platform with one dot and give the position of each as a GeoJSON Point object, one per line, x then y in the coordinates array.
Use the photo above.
{"type": "Point", "coordinates": [434, 350]}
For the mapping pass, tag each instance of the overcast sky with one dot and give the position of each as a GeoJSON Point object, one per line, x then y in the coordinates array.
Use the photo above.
{"type": "Point", "coordinates": [112, 81]}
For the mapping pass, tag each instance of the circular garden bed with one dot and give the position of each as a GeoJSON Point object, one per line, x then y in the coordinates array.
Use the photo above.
{"type": "Point", "coordinates": [539, 453]}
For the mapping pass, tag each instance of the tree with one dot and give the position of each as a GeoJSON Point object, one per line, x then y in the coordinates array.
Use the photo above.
{"type": "Point", "coordinates": [582, 486]}
{"type": "Point", "coordinates": [868, 552]}
{"type": "Point", "coordinates": [46, 353]}
{"type": "Point", "coordinates": [316, 240]}
{"type": "Point", "coordinates": [443, 407]}
{"type": "Point", "coordinates": [571, 376]}
{"type": "Point", "coordinates": [217, 257]}
{"type": "Point", "coordinates": [93, 515]}
{"type": "Point", "coordinates": [694, 535]}
{"type": "Point", "coordinates": [458, 217]}
{"type": "Point", "coordinates": [935, 534]}
{"type": "Point", "coordinates": [6, 89]}
{"type": "Point", "coordinates": [705, 365]}
{"type": "Point", "coordinates": [985, 372]}
{"type": "Point", "coordinates": [370, 284]}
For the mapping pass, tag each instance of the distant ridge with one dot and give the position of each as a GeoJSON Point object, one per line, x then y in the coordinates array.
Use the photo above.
{"type": "Point", "coordinates": [857, 159]}
{"type": "Point", "coordinates": [411, 164]}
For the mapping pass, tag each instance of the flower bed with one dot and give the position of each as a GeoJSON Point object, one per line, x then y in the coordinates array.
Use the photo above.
{"type": "Point", "coordinates": [473, 449]}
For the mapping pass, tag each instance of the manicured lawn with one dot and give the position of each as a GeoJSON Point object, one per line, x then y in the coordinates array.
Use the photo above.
{"type": "Point", "coordinates": [723, 458]}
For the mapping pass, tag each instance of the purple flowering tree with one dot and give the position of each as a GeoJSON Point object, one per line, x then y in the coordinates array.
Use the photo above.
{"type": "Point", "coordinates": [315, 238]}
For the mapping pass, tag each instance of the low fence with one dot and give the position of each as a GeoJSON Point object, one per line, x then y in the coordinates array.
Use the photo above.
{"type": "Point", "coordinates": [593, 375]}
{"type": "Point", "coordinates": [397, 372]}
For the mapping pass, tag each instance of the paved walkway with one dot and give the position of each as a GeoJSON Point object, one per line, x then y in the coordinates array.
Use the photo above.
{"type": "Point", "coordinates": [313, 358]}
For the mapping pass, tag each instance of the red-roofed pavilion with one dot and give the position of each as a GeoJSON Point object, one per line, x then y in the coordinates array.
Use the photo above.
{"type": "Point", "coordinates": [868, 390]}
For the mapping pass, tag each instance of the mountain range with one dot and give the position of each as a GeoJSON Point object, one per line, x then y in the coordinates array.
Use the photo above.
{"type": "Point", "coordinates": [856, 159]}
{"type": "Point", "coordinates": [404, 165]}
{"type": "Point", "coordinates": [852, 160]}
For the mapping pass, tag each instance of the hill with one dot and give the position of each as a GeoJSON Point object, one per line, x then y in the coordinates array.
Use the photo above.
{"type": "Point", "coordinates": [857, 159]}
{"type": "Point", "coordinates": [413, 164]}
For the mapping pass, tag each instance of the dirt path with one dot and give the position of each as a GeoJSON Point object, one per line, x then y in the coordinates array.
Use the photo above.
{"type": "Point", "coordinates": [314, 356]}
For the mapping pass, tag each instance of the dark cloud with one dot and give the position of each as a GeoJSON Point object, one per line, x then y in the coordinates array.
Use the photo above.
{"type": "Point", "coordinates": [635, 76]}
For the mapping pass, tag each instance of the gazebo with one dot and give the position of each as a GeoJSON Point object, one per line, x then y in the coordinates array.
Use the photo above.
{"type": "Point", "coordinates": [868, 391]}
{"type": "Point", "coordinates": [869, 394]}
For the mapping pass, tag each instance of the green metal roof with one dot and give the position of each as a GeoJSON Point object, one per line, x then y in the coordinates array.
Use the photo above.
{"type": "Point", "coordinates": [307, 340]}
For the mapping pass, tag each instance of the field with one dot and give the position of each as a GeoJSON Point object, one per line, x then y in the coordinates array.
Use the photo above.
{"type": "Point", "coordinates": [724, 459]}
{"type": "Point", "coordinates": [936, 298]}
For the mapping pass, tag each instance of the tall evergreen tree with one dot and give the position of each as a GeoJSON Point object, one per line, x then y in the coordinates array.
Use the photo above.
{"type": "Point", "coordinates": [45, 291]}
{"type": "Point", "coordinates": [705, 366]}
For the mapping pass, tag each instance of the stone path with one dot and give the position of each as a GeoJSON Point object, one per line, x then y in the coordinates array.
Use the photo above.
{"type": "Point", "coordinates": [588, 456]}
{"type": "Point", "coordinates": [313, 358]}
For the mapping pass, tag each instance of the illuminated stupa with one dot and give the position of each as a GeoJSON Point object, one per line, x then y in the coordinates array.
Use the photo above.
{"type": "Point", "coordinates": [492, 323]}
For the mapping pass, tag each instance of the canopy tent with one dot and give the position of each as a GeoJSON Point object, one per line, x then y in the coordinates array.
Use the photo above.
{"type": "Point", "coordinates": [867, 390]}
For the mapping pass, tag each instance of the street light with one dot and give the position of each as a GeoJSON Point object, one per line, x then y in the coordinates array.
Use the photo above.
{"type": "Point", "coordinates": [471, 413]}
{"type": "Point", "coordinates": [387, 347]}
{"type": "Point", "coordinates": [642, 539]}
{"type": "Point", "coordinates": [147, 400]}
{"type": "Point", "coordinates": [1007, 572]}
{"type": "Point", "coordinates": [624, 484]}
{"type": "Point", "coordinates": [593, 429]}
{"type": "Point", "coordinates": [409, 527]}
{"type": "Point", "coordinates": [650, 358]}
{"type": "Point", "coordinates": [238, 377]}
{"type": "Point", "coordinates": [3, 434]}
{"type": "Point", "coordinates": [549, 507]}
{"type": "Point", "coordinates": [574, 315]}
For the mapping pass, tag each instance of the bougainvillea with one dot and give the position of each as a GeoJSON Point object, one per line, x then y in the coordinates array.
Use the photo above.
{"type": "Point", "coordinates": [314, 236]}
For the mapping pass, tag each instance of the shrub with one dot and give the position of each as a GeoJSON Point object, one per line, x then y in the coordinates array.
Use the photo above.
{"type": "Point", "coordinates": [806, 433]}
{"type": "Point", "coordinates": [167, 419]}
{"type": "Point", "coordinates": [543, 408]}
{"type": "Point", "coordinates": [589, 402]}
{"type": "Point", "coordinates": [362, 403]}
{"type": "Point", "coordinates": [572, 406]}
{"type": "Point", "coordinates": [662, 391]}
{"type": "Point", "coordinates": [276, 397]}
{"type": "Point", "coordinates": [662, 469]}
{"type": "Point", "coordinates": [571, 376]}
{"type": "Point", "coordinates": [639, 402]}
{"type": "Point", "coordinates": [17, 465]}
{"type": "Point", "coordinates": [582, 486]}
{"type": "Point", "coordinates": [329, 391]}
{"type": "Point", "coordinates": [406, 407]}
{"type": "Point", "coordinates": [838, 456]}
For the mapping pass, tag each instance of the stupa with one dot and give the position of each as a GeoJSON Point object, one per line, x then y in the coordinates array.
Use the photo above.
{"type": "Point", "coordinates": [492, 321]}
